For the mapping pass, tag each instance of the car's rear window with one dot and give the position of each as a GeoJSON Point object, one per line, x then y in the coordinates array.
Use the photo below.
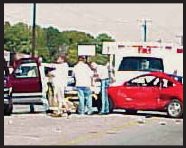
{"type": "Point", "coordinates": [141, 64]}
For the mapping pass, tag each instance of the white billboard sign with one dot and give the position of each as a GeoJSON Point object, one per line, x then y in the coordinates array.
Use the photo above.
{"type": "Point", "coordinates": [109, 47]}
{"type": "Point", "coordinates": [86, 50]}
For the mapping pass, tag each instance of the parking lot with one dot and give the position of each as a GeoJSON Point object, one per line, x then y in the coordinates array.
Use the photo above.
{"type": "Point", "coordinates": [118, 128]}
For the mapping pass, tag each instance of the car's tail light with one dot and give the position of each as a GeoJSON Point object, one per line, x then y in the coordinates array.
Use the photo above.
{"type": "Point", "coordinates": [5, 82]}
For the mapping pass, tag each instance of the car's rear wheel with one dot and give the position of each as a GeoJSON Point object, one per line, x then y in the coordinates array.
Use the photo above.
{"type": "Point", "coordinates": [32, 109]}
{"type": "Point", "coordinates": [96, 101]}
{"type": "Point", "coordinates": [99, 105]}
{"type": "Point", "coordinates": [175, 109]}
{"type": "Point", "coordinates": [8, 108]}
{"type": "Point", "coordinates": [111, 105]}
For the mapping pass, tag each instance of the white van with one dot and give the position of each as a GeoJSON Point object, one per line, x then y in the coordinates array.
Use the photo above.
{"type": "Point", "coordinates": [130, 59]}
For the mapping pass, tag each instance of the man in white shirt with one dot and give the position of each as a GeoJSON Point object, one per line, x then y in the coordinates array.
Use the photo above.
{"type": "Point", "coordinates": [103, 74]}
{"type": "Point", "coordinates": [59, 80]}
{"type": "Point", "coordinates": [83, 76]}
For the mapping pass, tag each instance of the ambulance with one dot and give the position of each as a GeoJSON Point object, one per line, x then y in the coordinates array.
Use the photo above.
{"type": "Point", "coordinates": [129, 59]}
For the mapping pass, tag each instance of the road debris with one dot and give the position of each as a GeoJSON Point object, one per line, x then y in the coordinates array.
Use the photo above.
{"type": "Point", "coordinates": [58, 129]}
{"type": "Point", "coordinates": [178, 121]}
{"type": "Point", "coordinates": [141, 120]}
{"type": "Point", "coordinates": [162, 123]}
{"type": "Point", "coordinates": [148, 116]}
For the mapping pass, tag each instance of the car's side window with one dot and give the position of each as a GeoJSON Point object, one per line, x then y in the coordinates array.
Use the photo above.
{"type": "Point", "coordinates": [26, 71]}
{"type": "Point", "coordinates": [166, 83]}
{"type": "Point", "coordinates": [156, 82]}
{"type": "Point", "coordinates": [139, 80]}
{"type": "Point", "coordinates": [144, 81]}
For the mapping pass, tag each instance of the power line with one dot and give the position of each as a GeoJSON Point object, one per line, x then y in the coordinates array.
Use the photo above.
{"type": "Point", "coordinates": [33, 30]}
{"type": "Point", "coordinates": [181, 38]}
{"type": "Point", "coordinates": [144, 25]}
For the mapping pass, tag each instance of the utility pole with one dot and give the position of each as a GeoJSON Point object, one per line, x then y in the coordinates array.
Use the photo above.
{"type": "Point", "coordinates": [144, 25]}
{"type": "Point", "coordinates": [33, 30]}
{"type": "Point", "coordinates": [181, 37]}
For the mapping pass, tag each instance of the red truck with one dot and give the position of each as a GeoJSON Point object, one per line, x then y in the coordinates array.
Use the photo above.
{"type": "Point", "coordinates": [29, 84]}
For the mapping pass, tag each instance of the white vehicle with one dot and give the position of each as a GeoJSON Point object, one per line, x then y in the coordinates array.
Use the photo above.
{"type": "Point", "coordinates": [7, 57]}
{"type": "Point", "coordinates": [130, 59]}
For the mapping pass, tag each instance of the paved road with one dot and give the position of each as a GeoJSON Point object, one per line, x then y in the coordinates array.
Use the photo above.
{"type": "Point", "coordinates": [24, 128]}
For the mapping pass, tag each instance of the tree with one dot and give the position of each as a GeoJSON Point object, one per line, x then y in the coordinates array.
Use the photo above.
{"type": "Point", "coordinates": [52, 35]}
{"type": "Point", "coordinates": [41, 44]}
{"type": "Point", "coordinates": [72, 39]}
{"type": "Point", "coordinates": [16, 37]}
{"type": "Point", "coordinates": [99, 58]}
{"type": "Point", "coordinates": [50, 42]}
{"type": "Point", "coordinates": [103, 37]}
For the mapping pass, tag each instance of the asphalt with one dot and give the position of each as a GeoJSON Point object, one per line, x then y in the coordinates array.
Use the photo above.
{"type": "Point", "coordinates": [118, 128]}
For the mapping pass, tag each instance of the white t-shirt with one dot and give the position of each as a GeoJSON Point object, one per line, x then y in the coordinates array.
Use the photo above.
{"type": "Point", "coordinates": [102, 71]}
{"type": "Point", "coordinates": [60, 74]}
{"type": "Point", "coordinates": [83, 74]}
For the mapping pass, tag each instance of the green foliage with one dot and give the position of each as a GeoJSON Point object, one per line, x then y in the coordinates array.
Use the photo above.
{"type": "Point", "coordinates": [17, 37]}
{"type": "Point", "coordinates": [100, 59]}
{"type": "Point", "coordinates": [50, 42]}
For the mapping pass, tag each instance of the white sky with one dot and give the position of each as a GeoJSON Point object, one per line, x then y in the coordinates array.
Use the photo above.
{"type": "Point", "coordinates": [118, 20]}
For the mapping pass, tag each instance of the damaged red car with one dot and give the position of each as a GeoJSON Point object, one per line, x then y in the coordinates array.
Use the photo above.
{"type": "Point", "coordinates": [155, 91]}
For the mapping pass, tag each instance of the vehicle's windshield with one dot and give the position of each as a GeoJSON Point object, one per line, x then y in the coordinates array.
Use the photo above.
{"type": "Point", "coordinates": [141, 64]}
{"type": "Point", "coordinates": [27, 70]}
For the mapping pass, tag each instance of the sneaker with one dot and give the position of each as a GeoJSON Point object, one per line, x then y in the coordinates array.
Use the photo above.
{"type": "Point", "coordinates": [49, 111]}
{"type": "Point", "coordinates": [90, 113]}
{"type": "Point", "coordinates": [81, 113]}
{"type": "Point", "coordinates": [102, 113]}
{"type": "Point", "coordinates": [69, 113]}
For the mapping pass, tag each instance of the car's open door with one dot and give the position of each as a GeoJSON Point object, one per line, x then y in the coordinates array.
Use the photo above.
{"type": "Point", "coordinates": [26, 82]}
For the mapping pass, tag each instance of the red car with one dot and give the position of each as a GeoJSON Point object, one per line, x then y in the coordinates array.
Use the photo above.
{"type": "Point", "coordinates": [152, 91]}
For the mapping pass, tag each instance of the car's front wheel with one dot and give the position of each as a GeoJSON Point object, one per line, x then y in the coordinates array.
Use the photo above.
{"type": "Point", "coordinates": [175, 109]}
{"type": "Point", "coordinates": [8, 108]}
{"type": "Point", "coordinates": [32, 109]}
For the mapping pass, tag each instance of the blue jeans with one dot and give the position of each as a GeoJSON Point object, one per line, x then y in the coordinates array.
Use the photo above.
{"type": "Point", "coordinates": [85, 100]}
{"type": "Point", "coordinates": [104, 96]}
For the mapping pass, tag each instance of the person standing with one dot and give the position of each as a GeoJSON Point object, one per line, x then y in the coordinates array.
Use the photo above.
{"type": "Point", "coordinates": [83, 77]}
{"type": "Point", "coordinates": [60, 80]}
{"type": "Point", "coordinates": [103, 75]}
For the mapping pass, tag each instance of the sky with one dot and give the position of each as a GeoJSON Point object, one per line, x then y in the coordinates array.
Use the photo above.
{"type": "Point", "coordinates": [122, 21]}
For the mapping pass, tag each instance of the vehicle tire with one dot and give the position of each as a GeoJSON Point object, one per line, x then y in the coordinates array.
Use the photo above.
{"type": "Point", "coordinates": [96, 102]}
{"type": "Point", "coordinates": [99, 103]}
{"type": "Point", "coordinates": [32, 108]}
{"type": "Point", "coordinates": [175, 109]}
{"type": "Point", "coordinates": [49, 111]}
{"type": "Point", "coordinates": [132, 112]}
{"type": "Point", "coordinates": [8, 108]}
{"type": "Point", "coordinates": [111, 105]}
